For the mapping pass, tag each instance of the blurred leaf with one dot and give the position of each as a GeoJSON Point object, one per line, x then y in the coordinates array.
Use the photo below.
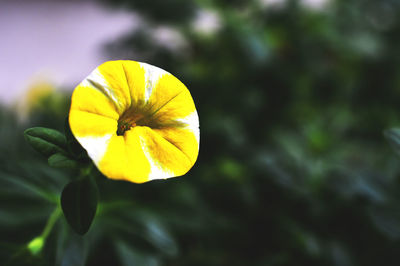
{"type": "Point", "coordinates": [130, 256]}
{"type": "Point", "coordinates": [387, 220]}
{"type": "Point", "coordinates": [24, 187]}
{"type": "Point", "coordinates": [393, 136]}
{"type": "Point", "coordinates": [339, 255]}
{"type": "Point", "coordinates": [157, 234]}
{"type": "Point", "coordinates": [148, 229]}
{"type": "Point", "coordinates": [79, 203]}
{"type": "Point", "coordinates": [75, 252]}
{"type": "Point", "coordinates": [45, 140]}
{"type": "Point", "coordinates": [62, 161]}
{"type": "Point", "coordinates": [22, 257]}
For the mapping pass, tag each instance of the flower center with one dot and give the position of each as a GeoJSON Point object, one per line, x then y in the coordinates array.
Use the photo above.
{"type": "Point", "coordinates": [124, 126]}
{"type": "Point", "coordinates": [143, 115]}
{"type": "Point", "coordinates": [130, 118]}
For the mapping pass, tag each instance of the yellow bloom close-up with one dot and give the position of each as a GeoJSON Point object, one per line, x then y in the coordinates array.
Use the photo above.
{"type": "Point", "coordinates": [136, 121]}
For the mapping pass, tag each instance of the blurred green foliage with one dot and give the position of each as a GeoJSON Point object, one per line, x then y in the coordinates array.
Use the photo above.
{"type": "Point", "coordinates": [293, 166]}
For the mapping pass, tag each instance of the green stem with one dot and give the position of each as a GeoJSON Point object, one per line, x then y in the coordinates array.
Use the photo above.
{"type": "Point", "coordinates": [51, 221]}
{"type": "Point", "coordinates": [36, 244]}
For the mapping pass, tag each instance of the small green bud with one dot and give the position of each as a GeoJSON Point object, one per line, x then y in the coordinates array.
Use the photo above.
{"type": "Point", "coordinates": [36, 245]}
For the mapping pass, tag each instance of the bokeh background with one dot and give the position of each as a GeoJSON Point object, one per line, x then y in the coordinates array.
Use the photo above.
{"type": "Point", "coordinates": [293, 98]}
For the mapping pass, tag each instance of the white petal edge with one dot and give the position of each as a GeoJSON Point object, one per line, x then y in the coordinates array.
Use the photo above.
{"type": "Point", "coordinates": [191, 122]}
{"type": "Point", "coordinates": [152, 75]}
{"type": "Point", "coordinates": [97, 81]}
{"type": "Point", "coordinates": [96, 147]}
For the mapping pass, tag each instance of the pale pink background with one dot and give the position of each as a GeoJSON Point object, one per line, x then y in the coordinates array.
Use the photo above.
{"type": "Point", "coordinates": [56, 41]}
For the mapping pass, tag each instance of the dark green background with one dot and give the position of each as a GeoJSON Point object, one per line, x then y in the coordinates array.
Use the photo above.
{"type": "Point", "coordinates": [293, 166]}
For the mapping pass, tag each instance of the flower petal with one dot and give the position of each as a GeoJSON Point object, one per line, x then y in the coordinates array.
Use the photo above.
{"type": "Point", "coordinates": [85, 124]}
{"type": "Point", "coordinates": [114, 83]}
{"type": "Point", "coordinates": [135, 79]}
{"type": "Point", "coordinates": [125, 158]}
{"type": "Point", "coordinates": [182, 138]}
{"type": "Point", "coordinates": [167, 159]}
{"type": "Point", "coordinates": [89, 99]}
{"type": "Point", "coordinates": [171, 97]}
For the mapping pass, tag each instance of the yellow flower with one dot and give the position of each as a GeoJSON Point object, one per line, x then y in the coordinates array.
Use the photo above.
{"type": "Point", "coordinates": [136, 121]}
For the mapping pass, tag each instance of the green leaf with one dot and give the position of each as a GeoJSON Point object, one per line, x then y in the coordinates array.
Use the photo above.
{"type": "Point", "coordinates": [393, 136]}
{"type": "Point", "coordinates": [62, 161]}
{"type": "Point", "coordinates": [73, 146]}
{"type": "Point", "coordinates": [46, 140]}
{"type": "Point", "coordinates": [79, 203]}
